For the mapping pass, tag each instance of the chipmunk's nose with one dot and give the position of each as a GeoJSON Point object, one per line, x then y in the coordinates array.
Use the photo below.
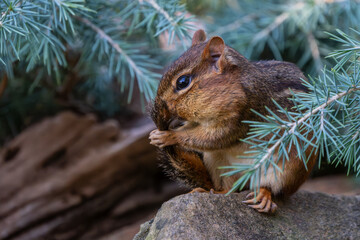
{"type": "Point", "coordinates": [176, 123]}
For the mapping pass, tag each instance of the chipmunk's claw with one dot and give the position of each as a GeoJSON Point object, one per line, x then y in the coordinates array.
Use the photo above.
{"type": "Point", "coordinates": [162, 138]}
{"type": "Point", "coordinates": [265, 204]}
{"type": "Point", "coordinates": [250, 195]}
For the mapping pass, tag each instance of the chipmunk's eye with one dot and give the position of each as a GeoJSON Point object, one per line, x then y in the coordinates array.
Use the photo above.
{"type": "Point", "coordinates": [183, 82]}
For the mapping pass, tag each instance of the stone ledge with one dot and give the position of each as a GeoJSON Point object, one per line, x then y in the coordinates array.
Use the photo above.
{"type": "Point", "coordinates": [304, 215]}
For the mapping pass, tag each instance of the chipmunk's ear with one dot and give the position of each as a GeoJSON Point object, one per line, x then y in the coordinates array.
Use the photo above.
{"type": "Point", "coordinates": [199, 37]}
{"type": "Point", "coordinates": [214, 52]}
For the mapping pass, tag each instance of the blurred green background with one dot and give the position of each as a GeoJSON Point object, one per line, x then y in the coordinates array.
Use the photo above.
{"type": "Point", "coordinates": [59, 61]}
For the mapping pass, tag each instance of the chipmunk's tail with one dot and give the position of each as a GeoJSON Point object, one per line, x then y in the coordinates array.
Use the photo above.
{"type": "Point", "coordinates": [186, 166]}
{"type": "Point", "coordinates": [178, 162]}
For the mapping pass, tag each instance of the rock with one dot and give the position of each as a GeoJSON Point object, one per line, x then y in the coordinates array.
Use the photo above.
{"type": "Point", "coordinates": [304, 215]}
{"type": "Point", "coordinates": [144, 230]}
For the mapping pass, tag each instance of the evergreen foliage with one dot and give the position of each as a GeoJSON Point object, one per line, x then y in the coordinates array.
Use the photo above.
{"type": "Point", "coordinates": [99, 51]}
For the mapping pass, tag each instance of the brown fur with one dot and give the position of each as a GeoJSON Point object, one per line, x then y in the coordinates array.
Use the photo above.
{"type": "Point", "coordinates": [224, 87]}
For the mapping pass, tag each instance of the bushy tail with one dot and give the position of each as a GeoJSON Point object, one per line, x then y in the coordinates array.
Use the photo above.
{"type": "Point", "coordinates": [186, 166]}
{"type": "Point", "coordinates": [179, 163]}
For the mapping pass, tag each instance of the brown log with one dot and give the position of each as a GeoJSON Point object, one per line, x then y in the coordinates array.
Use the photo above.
{"type": "Point", "coordinates": [3, 85]}
{"type": "Point", "coordinates": [64, 175]}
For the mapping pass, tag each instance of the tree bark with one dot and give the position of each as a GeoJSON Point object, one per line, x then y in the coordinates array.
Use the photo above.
{"type": "Point", "coordinates": [62, 177]}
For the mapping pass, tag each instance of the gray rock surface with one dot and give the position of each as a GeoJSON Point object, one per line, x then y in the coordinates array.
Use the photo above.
{"type": "Point", "coordinates": [304, 215]}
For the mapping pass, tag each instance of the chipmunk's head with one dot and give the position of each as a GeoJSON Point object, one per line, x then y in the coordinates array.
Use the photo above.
{"type": "Point", "coordinates": [201, 85]}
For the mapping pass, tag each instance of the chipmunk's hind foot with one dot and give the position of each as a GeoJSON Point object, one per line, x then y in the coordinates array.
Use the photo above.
{"type": "Point", "coordinates": [263, 200]}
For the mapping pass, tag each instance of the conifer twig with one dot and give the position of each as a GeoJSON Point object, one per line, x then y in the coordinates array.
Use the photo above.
{"type": "Point", "coordinates": [161, 10]}
{"type": "Point", "coordinates": [266, 31]}
{"type": "Point", "coordinates": [315, 52]}
{"type": "Point", "coordinates": [111, 41]}
{"type": "Point", "coordinates": [336, 97]}
{"type": "Point", "coordinates": [277, 22]}
{"type": "Point", "coordinates": [236, 25]}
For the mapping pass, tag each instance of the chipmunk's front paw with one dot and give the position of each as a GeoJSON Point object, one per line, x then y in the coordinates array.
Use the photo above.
{"type": "Point", "coordinates": [162, 138]}
{"type": "Point", "coordinates": [265, 204]}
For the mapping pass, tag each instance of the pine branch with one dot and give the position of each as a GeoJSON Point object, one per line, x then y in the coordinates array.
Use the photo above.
{"type": "Point", "coordinates": [297, 123]}
{"type": "Point", "coordinates": [235, 25]}
{"type": "Point", "coordinates": [276, 23]}
{"type": "Point", "coordinates": [116, 46]}
{"type": "Point", "coordinates": [315, 52]}
{"type": "Point", "coordinates": [161, 11]}
{"type": "Point", "coordinates": [147, 80]}
{"type": "Point", "coordinates": [168, 16]}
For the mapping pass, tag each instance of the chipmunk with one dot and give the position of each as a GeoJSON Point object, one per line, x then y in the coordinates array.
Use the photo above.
{"type": "Point", "coordinates": [201, 103]}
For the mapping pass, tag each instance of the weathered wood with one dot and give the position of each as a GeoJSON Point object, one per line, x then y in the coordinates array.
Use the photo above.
{"type": "Point", "coordinates": [64, 174]}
